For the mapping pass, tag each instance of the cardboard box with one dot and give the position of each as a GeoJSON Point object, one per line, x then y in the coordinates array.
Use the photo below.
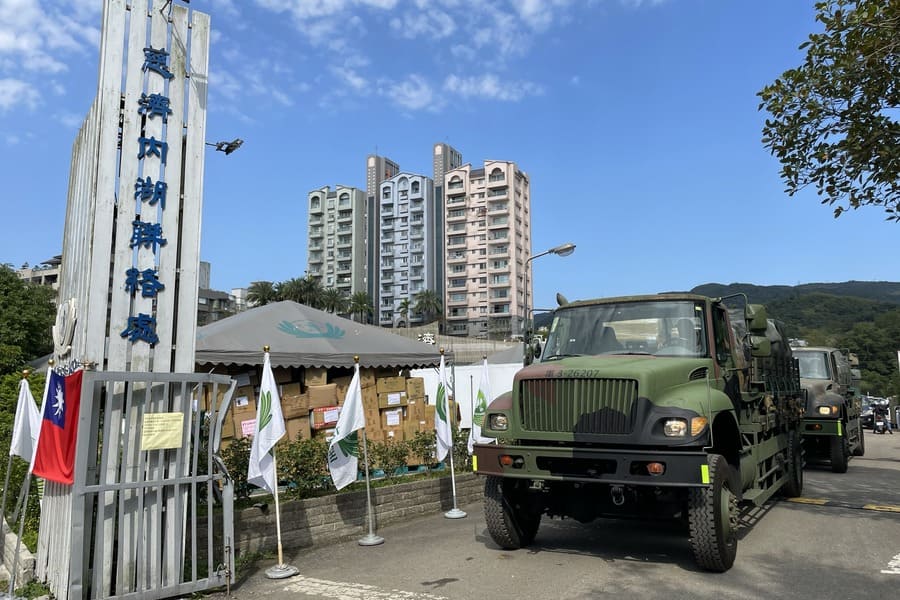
{"type": "Point", "coordinates": [390, 384]}
{"type": "Point", "coordinates": [290, 389]}
{"type": "Point", "coordinates": [315, 376]}
{"type": "Point", "coordinates": [415, 407]}
{"type": "Point", "coordinates": [373, 418]}
{"type": "Point", "coordinates": [393, 417]}
{"type": "Point", "coordinates": [341, 383]}
{"type": "Point", "coordinates": [283, 374]}
{"type": "Point", "coordinates": [366, 378]}
{"type": "Point", "coordinates": [415, 386]}
{"type": "Point", "coordinates": [391, 399]}
{"type": "Point", "coordinates": [295, 406]}
{"type": "Point", "coordinates": [228, 427]}
{"type": "Point", "coordinates": [374, 434]}
{"type": "Point", "coordinates": [325, 434]}
{"type": "Point", "coordinates": [322, 395]}
{"type": "Point", "coordinates": [393, 434]}
{"type": "Point", "coordinates": [370, 397]}
{"type": "Point", "coordinates": [244, 402]}
{"type": "Point", "coordinates": [323, 417]}
{"type": "Point", "coordinates": [298, 428]}
{"type": "Point", "coordinates": [410, 429]}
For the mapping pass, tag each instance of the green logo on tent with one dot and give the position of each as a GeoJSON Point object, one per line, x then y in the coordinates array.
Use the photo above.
{"type": "Point", "coordinates": [265, 410]}
{"type": "Point", "coordinates": [306, 329]}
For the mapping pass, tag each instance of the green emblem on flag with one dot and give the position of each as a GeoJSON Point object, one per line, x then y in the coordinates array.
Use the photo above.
{"type": "Point", "coordinates": [265, 410]}
{"type": "Point", "coordinates": [480, 409]}
{"type": "Point", "coordinates": [350, 445]}
{"type": "Point", "coordinates": [441, 407]}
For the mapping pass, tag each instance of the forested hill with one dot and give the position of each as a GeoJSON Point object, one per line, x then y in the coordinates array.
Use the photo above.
{"type": "Point", "coordinates": [877, 291]}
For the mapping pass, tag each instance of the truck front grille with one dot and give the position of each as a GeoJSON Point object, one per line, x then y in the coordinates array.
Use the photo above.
{"type": "Point", "coordinates": [590, 406]}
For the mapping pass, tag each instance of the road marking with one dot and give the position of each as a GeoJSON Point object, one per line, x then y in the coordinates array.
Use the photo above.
{"type": "Point", "coordinates": [817, 501]}
{"type": "Point", "coordinates": [893, 566]}
{"type": "Point", "coordinates": [351, 591]}
{"type": "Point", "coordinates": [891, 508]}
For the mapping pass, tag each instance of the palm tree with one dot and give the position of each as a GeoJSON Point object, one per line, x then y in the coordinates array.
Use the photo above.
{"type": "Point", "coordinates": [333, 300]}
{"type": "Point", "coordinates": [311, 291]}
{"type": "Point", "coordinates": [404, 309]}
{"type": "Point", "coordinates": [360, 305]}
{"type": "Point", "coordinates": [261, 293]}
{"type": "Point", "coordinates": [290, 289]}
{"type": "Point", "coordinates": [428, 303]}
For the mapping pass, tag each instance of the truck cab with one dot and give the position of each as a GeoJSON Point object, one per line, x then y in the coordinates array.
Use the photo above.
{"type": "Point", "coordinates": [832, 427]}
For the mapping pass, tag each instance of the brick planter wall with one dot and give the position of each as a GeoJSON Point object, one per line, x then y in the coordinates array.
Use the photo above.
{"type": "Point", "coordinates": [343, 516]}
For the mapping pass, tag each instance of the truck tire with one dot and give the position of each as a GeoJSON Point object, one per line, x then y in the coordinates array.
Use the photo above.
{"type": "Point", "coordinates": [713, 518]}
{"type": "Point", "coordinates": [860, 449]}
{"type": "Point", "coordinates": [794, 465]}
{"type": "Point", "coordinates": [840, 454]}
{"type": "Point", "coordinates": [511, 524]}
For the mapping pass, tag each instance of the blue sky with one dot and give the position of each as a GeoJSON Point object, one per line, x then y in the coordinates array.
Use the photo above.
{"type": "Point", "coordinates": [636, 121]}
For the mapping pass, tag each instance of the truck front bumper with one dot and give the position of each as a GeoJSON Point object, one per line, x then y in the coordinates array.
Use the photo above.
{"type": "Point", "coordinates": [686, 468]}
{"type": "Point", "coordinates": [829, 427]}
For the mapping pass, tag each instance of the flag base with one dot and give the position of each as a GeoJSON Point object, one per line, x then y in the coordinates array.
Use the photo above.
{"type": "Point", "coordinates": [281, 571]}
{"type": "Point", "coordinates": [371, 540]}
{"type": "Point", "coordinates": [454, 514]}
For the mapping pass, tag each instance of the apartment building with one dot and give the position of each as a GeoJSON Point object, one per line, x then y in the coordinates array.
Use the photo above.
{"type": "Point", "coordinates": [378, 169]}
{"type": "Point", "coordinates": [406, 241]}
{"type": "Point", "coordinates": [444, 158]}
{"type": "Point", "coordinates": [487, 215]}
{"type": "Point", "coordinates": [336, 250]}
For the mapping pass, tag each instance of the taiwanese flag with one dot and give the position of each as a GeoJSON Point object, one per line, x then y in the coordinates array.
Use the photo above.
{"type": "Point", "coordinates": [55, 456]}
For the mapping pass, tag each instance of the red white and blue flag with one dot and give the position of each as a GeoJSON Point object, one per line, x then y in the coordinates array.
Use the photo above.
{"type": "Point", "coordinates": [55, 456]}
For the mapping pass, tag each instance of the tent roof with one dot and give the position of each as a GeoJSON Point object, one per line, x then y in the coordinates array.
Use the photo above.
{"type": "Point", "coordinates": [300, 336]}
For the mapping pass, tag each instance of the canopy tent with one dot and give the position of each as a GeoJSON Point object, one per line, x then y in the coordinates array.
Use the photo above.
{"type": "Point", "coordinates": [300, 336]}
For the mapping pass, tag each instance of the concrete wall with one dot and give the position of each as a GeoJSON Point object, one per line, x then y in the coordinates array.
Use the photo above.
{"type": "Point", "coordinates": [25, 564]}
{"type": "Point", "coordinates": [343, 516]}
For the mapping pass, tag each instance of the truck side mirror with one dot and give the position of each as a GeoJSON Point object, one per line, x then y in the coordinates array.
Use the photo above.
{"type": "Point", "coordinates": [760, 346]}
{"type": "Point", "coordinates": [756, 317]}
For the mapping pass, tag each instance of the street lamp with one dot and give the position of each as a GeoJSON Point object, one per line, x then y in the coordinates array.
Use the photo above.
{"type": "Point", "coordinates": [227, 147]}
{"type": "Point", "coordinates": [561, 250]}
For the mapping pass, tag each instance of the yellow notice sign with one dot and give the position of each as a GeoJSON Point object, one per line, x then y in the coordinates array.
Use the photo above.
{"type": "Point", "coordinates": [162, 430]}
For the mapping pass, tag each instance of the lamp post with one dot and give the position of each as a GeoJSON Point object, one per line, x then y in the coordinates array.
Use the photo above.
{"type": "Point", "coordinates": [561, 250]}
{"type": "Point", "coordinates": [227, 147]}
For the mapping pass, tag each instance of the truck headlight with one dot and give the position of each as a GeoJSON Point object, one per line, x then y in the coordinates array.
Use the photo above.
{"type": "Point", "coordinates": [828, 410]}
{"type": "Point", "coordinates": [675, 427]}
{"type": "Point", "coordinates": [498, 422]}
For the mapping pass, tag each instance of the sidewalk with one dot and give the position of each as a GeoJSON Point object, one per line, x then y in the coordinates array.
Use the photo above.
{"type": "Point", "coordinates": [408, 565]}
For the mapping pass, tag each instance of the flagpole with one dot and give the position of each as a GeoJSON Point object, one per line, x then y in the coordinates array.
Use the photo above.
{"type": "Point", "coordinates": [281, 570]}
{"type": "Point", "coordinates": [370, 539]}
{"type": "Point", "coordinates": [9, 463]}
{"type": "Point", "coordinates": [453, 513]}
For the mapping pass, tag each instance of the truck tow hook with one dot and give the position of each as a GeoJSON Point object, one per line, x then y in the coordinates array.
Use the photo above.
{"type": "Point", "coordinates": [618, 495]}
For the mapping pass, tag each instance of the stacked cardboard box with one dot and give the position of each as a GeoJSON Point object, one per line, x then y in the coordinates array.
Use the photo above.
{"type": "Point", "coordinates": [311, 399]}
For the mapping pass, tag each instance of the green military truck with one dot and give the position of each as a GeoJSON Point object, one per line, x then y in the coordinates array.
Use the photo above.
{"type": "Point", "coordinates": [672, 405]}
{"type": "Point", "coordinates": [832, 428]}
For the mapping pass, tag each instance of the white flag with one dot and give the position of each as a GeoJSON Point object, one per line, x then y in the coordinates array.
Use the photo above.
{"type": "Point", "coordinates": [27, 425]}
{"type": "Point", "coordinates": [480, 408]}
{"type": "Point", "coordinates": [343, 452]}
{"type": "Point", "coordinates": [268, 430]}
{"type": "Point", "coordinates": [443, 428]}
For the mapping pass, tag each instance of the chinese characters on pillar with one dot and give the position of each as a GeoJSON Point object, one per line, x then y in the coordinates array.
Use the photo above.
{"type": "Point", "coordinates": [145, 234]}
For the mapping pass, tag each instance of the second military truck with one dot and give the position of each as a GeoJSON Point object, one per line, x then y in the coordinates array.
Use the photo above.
{"type": "Point", "coordinates": [832, 427]}
{"type": "Point", "coordinates": [671, 405]}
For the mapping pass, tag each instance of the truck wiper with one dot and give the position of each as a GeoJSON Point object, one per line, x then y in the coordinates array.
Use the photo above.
{"type": "Point", "coordinates": [555, 356]}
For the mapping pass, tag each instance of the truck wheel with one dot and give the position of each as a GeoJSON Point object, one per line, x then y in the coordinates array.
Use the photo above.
{"type": "Point", "coordinates": [511, 524]}
{"type": "Point", "coordinates": [840, 454]}
{"type": "Point", "coordinates": [794, 465]}
{"type": "Point", "coordinates": [713, 518]}
{"type": "Point", "coordinates": [860, 449]}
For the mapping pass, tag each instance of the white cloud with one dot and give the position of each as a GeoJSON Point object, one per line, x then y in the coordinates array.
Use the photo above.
{"type": "Point", "coordinates": [350, 78]}
{"type": "Point", "coordinates": [431, 23]}
{"type": "Point", "coordinates": [71, 120]}
{"type": "Point", "coordinates": [12, 140]}
{"type": "Point", "coordinates": [15, 92]}
{"type": "Point", "coordinates": [414, 93]}
{"type": "Point", "coordinates": [490, 87]}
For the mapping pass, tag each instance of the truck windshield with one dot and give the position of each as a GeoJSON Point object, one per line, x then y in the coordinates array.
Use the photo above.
{"type": "Point", "coordinates": [813, 365]}
{"type": "Point", "coordinates": [659, 327]}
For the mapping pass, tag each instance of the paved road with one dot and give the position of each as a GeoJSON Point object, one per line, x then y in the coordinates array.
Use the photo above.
{"type": "Point", "coordinates": [843, 542]}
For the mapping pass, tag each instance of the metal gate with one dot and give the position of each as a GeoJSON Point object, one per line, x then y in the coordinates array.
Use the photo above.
{"type": "Point", "coordinates": [152, 503]}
